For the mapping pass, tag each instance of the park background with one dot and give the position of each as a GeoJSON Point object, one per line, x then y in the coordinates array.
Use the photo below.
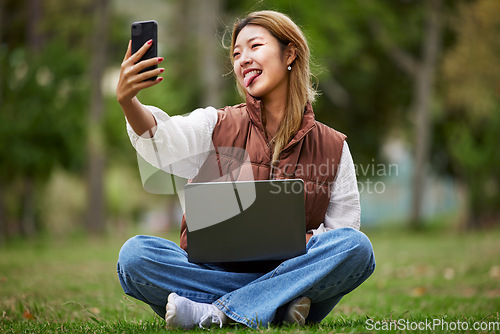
{"type": "Point", "coordinates": [414, 84]}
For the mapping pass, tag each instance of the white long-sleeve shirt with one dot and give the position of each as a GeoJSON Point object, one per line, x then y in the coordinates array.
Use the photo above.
{"type": "Point", "coordinates": [183, 143]}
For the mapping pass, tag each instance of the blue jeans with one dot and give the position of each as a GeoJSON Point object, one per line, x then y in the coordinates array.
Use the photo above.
{"type": "Point", "coordinates": [336, 262]}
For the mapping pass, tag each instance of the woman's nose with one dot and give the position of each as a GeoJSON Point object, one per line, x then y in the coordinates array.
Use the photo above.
{"type": "Point", "coordinates": [246, 60]}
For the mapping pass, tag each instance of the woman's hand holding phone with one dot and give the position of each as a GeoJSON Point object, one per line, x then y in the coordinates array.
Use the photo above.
{"type": "Point", "coordinates": [131, 82]}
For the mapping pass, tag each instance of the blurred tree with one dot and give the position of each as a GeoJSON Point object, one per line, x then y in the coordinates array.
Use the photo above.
{"type": "Point", "coordinates": [95, 145]}
{"type": "Point", "coordinates": [3, 215]}
{"type": "Point", "coordinates": [208, 47]}
{"type": "Point", "coordinates": [422, 72]}
{"type": "Point", "coordinates": [194, 78]}
{"type": "Point", "coordinates": [34, 46]}
{"type": "Point", "coordinates": [471, 123]}
{"type": "Point", "coordinates": [42, 103]}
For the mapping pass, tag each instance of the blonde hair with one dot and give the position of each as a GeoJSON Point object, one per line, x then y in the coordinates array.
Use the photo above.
{"type": "Point", "coordinates": [300, 89]}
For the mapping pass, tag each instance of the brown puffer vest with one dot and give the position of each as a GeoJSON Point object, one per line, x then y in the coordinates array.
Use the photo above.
{"type": "Point", "coordinates": [312, 155]}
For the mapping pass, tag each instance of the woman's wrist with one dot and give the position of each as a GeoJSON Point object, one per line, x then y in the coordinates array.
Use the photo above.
{"type": "Point", "coordinates": [139, 117]}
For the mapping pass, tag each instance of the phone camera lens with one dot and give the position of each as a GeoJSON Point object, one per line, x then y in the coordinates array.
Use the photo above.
{"type": "Point", "coordinates": [136, 29]}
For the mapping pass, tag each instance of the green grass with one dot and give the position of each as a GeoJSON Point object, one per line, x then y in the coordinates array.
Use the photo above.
{"type": "Point", "coordinates": [70, 286]}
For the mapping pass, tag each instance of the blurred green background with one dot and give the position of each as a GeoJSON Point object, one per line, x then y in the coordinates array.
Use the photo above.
{"type": "Point", "coordinates": [415, 85]}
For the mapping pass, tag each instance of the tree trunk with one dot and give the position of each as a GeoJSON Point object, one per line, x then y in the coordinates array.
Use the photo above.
{"type": "Point", "coordinates": [2, 76]}
{"type": "Point", "coordinates": [423, 92]}
{"type": "Point", "coordinates": [3, 213]}
{"type": "Point", "coordinates": [210, 73]}
{"type": "Point", "coordinates": [95, 169]}
{"type": "Point", "coordinates": [34, 42]}
{"type": "Point", "coordinates": [33, 35]}
{"type": "Point", "coordinates": [3, 216]}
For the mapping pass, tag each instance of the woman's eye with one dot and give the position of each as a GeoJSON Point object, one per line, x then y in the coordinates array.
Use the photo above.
{"type": "Point", "coordinates": [236, 54]}
{"type": "Point", "coordinates": [256, 45]}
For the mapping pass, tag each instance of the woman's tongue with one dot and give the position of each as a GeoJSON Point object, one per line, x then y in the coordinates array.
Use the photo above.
{"type": "Point", "coordinates": [250, 78]}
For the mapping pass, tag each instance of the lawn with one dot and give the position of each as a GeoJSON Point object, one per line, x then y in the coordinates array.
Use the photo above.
{"type": "Point", "coordinates": [438, 278]}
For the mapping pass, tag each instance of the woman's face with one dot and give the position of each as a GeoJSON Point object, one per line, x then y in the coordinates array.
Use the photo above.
{"type": "Point", "coordinates": [260, 64]}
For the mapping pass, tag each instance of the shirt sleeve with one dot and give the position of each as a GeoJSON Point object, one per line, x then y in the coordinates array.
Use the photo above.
{"type": "Point", "coordinates": [180, 144]}
{"type": "Point", "coordinates": [344, 209]}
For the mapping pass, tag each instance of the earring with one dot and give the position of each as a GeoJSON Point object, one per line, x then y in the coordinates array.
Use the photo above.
{"type": "Point", "coordinates": [289, 67]}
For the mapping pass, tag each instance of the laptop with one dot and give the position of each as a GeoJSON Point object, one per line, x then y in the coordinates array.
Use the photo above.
{"type": "Point", "coordinates": [245, 221]}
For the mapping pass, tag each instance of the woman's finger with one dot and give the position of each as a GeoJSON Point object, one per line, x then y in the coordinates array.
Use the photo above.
{"type": "Point", "coordinates": [138, 55]}
{"type": "Point", "coordinates": [148, 75]}
{"type": "Point", "coordinates": [130, 59]}
{"type": "Point", "coordinates": [146, 63]}
{"type": "Point", "coordinates": [131, 82]}
{"type": "Point", "coordinates": [129, 51]}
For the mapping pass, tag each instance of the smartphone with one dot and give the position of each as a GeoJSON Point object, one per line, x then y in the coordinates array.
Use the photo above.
{"type": "Point", "coordinates": [141, 33]}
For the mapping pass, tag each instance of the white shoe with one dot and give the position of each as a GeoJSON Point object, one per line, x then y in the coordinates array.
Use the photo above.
{"type": "Point", "coordinates": [297, 311]}
{"type": "Point", "coordinates": [186, 314]}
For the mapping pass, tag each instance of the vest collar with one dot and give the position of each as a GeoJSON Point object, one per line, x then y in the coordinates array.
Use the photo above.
{"type": "Point", "coordinates": [254, 109]}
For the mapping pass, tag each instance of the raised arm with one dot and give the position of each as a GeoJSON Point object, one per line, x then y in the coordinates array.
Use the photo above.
{"type": "Point", "coordinates": [131, 82]}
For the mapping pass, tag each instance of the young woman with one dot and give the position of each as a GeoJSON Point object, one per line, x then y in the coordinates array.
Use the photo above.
{"type": "Point", "coordinates": [276, 127]}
